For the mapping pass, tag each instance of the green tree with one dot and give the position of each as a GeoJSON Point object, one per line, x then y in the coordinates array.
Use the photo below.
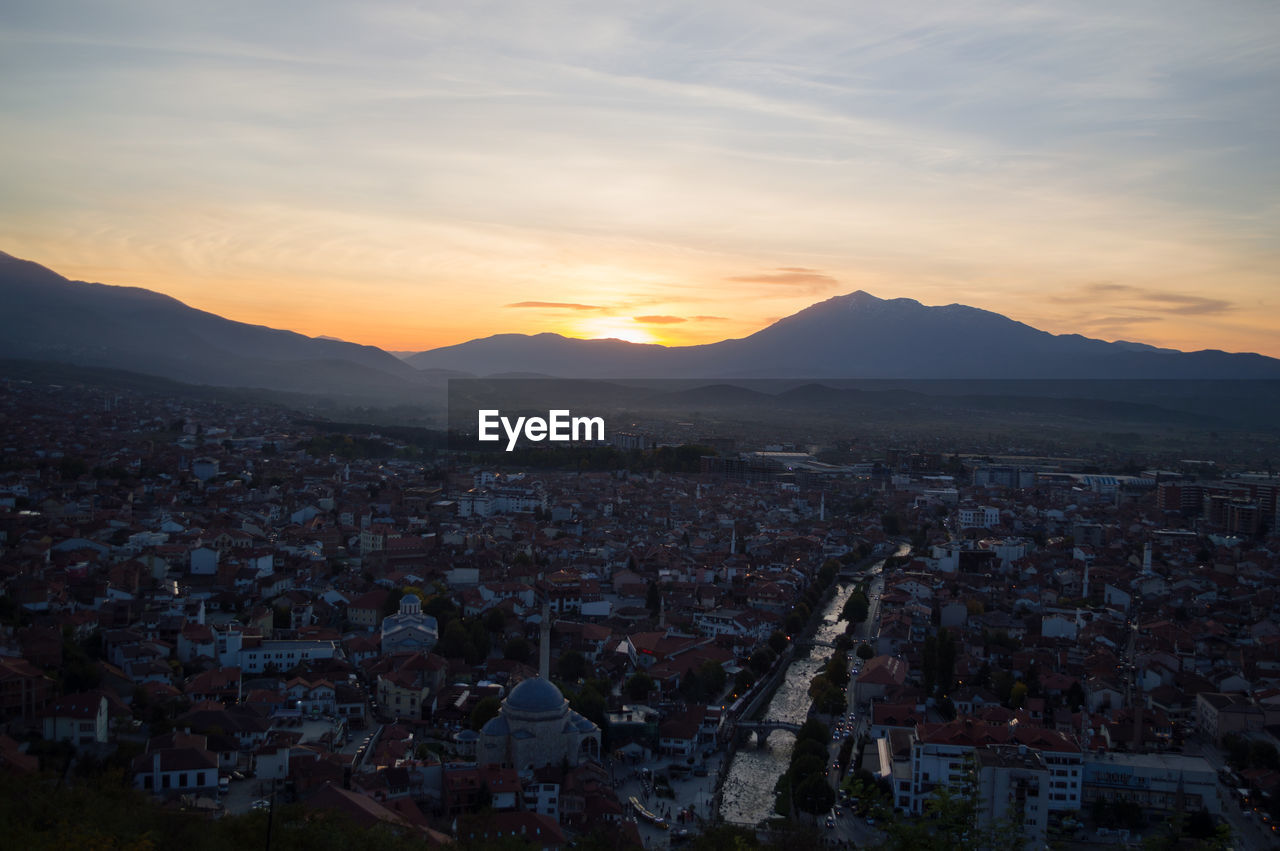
{"type": "Point", "coordinates": [495, 620]}
{"type": "Point", "coordinates": [485, 709]}
{"type": "Point", "coordinates": [951, 822]}
{"type": "Point", "coordinates": [856, 607]}
{"type": "Point", "coordinates": [814, 729]}
{"type": "Point", "coordinates": [590, 704]}
{"type": "Point", "coordinates": [813, 794]}
{"type": "Point", "coordinates": [517, 649]}
{"type": "Point", "coordinates": [455, 643]}
{"type": "Point", "coordinates": [571, 666]}
{"type": "Point", "coordinates": [639, 686]}
{"type": "Point", "coordinates": [478, 642]}
{"type": "Point", "coordinates": [865, 652]}
{"type": "Point", "coordinates": [724, 837]}
{"type": "Point", "coordinates": [761, 659]}
{"type": "Point", "coordinates": [713, 675]}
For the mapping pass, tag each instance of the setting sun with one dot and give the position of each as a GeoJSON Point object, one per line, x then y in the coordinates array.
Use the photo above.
{"type": "Point", "coordinates": [615, 327]}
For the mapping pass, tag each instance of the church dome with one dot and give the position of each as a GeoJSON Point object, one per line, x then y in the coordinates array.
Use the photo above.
{"type": "Point", "coordinates": [535, 697]}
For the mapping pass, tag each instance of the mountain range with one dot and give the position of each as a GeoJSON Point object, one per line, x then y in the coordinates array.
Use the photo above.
{"type": "Point", "coordinates": [856, 336]}
{"type": "Point", "coordinates": [49, 318]}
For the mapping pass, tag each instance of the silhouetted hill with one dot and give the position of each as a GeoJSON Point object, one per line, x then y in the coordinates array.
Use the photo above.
{"type": "Point", "coordinates": [47, 317]}
{"type": "Point", "coordinates": [856, 336]}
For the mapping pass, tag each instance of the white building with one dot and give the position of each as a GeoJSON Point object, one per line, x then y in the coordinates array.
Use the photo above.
{"type": "Point", "coordinates": [284, 655]}
{"type": "Point", "coordinates": [980, 516]}
{"type": "Point", "coordinates": [1013, 785]}
{"type": "Point", "coordinates": [942, 753]}
{"type": "Point", "coordinates": [80, 719]}
{"type": "Point", "coordinates": [409, 630]}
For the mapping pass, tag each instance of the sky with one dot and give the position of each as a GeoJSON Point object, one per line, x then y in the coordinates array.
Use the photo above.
{"type": "Point", "coordinates": [417, 174]}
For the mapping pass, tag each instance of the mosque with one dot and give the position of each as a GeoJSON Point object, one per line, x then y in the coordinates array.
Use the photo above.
{"type": "Point", "coordinates": [535, 727]}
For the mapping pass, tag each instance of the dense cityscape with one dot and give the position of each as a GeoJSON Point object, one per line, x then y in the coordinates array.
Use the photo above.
{"type": "Point", "coordinates": [248, 620]}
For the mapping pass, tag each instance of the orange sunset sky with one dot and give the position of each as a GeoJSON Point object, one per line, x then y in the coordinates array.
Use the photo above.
{"type": "Point", "coordinates": [411, 175]}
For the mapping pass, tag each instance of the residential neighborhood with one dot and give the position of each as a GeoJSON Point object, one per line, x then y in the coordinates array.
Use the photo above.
{"type": "Point", "coordinates": [241, 610]}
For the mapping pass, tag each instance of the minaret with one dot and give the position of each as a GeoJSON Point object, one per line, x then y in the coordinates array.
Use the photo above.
{"type": "Point", "coordinates": [1085, 593]}
{"type": "Point", "coordinates": [1146, 559]}
{"type": "Point", "coordinates": [733, 541]}
{"type": "Point", "coordinates": [544, 642]}
{"type": "Point", "coordinates": [822, 508]}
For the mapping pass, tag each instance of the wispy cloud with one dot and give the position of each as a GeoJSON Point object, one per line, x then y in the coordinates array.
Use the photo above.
{"type": "Point", "coordinates": [1114, 321]}
{"type": "Point", "coordinates": [557, 305]}
{"type": "Point", "coordinates": [660, 320]}
{"type": "Point", "coordinates": [809, 280]}
{"type": "Point", "coordinates": [710, 319]}
{"type": "Point", "coordinates": [1145, 299]}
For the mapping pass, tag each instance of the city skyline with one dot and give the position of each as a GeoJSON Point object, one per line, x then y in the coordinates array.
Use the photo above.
{"type": "Point", "coordinates": [411, 177]}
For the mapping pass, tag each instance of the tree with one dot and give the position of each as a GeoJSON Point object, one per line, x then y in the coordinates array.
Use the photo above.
{"type": "Point", "coordinates": [808, 765]}
{"type": "Point", "coordinates": [814, 729]}
{"type": "Point", "coordinates": [391, 605]}
{"type": "Point", "coordinates": [809, 747]}
{"type": "Point", "coordinates": [455, 643]}
{"type": "Point", "coordinates": [478, 641]}
{"type": "Point", "coordinates": [778, 642]}
{"type": "Point", "coordinates": [653, 598]}
{"type": "Point", "coordinates": [639, 686]}
{"type": "Point", "coordinates": [724, 837]}
{"type": "Point", "coordinates": [814, 794]}
{"type": "Point", "coordinates": [571, 666]}
{"type": "Point", "coordinates": [495, 620]}
{"type": "Point", "coordinates": [828, 698]}
{"type": "Point", "coordinates": [590, 704]}
{"type": "Point", "coordinates": [951, 822]}
{"type": "Point", "coordinates": [713, 675]}
{"type": "Point", "coordinates": [517, 650]}
{"type": "Point", "coordinates": [856, 607]}
{"type": "Point", "coordinates": [692, 687]}
{"type": "Point", "coordinates": [865, 652]}
{"type": "Point", "coordinates": [761, 659]}
{"type": "Point", "coordinates": [485, 709]}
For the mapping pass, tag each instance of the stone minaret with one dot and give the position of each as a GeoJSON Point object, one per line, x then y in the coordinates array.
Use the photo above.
{"type": "Point", "coordinates": [544, 642]}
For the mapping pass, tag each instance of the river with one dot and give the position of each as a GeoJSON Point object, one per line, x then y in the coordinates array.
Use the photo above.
{"type": "Point", "coordinates": [748, 794]}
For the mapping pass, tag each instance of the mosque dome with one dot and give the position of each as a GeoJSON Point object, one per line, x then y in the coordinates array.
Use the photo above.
{"type": "Point", "coordinates": [535, 697]}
